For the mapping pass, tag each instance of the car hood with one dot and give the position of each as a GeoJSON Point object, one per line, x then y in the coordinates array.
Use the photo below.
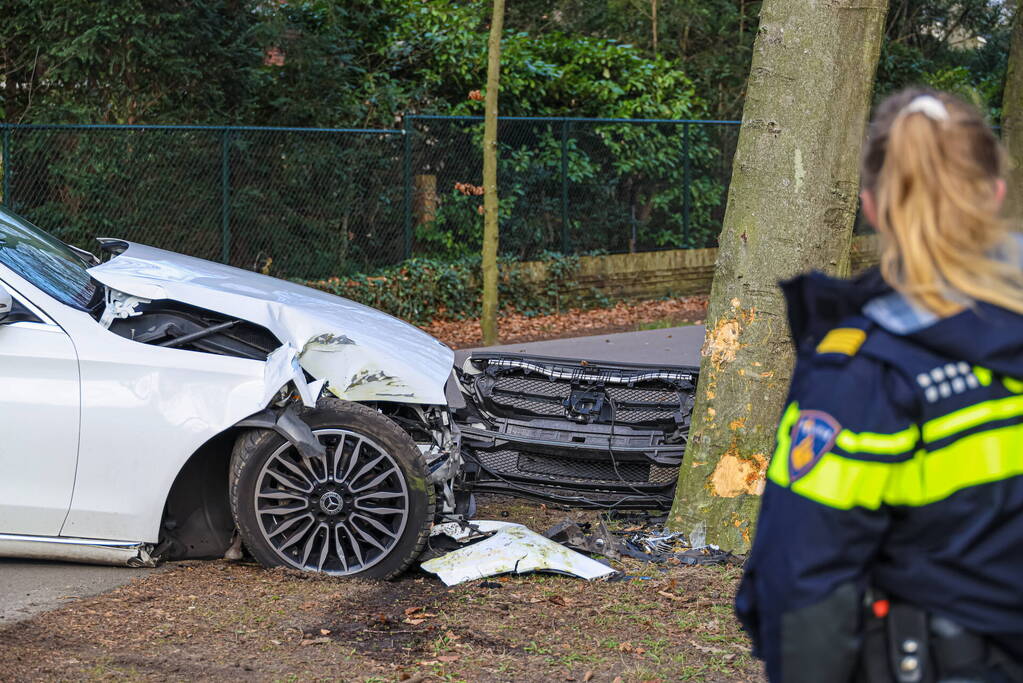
{"type": "Point", "coordinates": [361, 353]}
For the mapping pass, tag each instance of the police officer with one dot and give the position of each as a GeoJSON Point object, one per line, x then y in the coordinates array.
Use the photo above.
{"type": "Point", "coordinates": [890, 540]}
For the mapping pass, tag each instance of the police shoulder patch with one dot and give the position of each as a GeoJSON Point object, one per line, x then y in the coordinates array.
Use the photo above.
{"type": "Point", "coordinates": [812, 436]}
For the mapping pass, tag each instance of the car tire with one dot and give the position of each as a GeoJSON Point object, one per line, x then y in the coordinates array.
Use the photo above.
{"type": "Point", "coordinates": [364, 510]}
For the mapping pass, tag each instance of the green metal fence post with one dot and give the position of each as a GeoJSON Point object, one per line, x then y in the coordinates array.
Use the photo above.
{"type": "Point", "coordinates": [7, 166]}
{"type": "Point", "coordinates": [687, 197]}
{"type": "Point", "coordinates": [566, 244]}
{"type": "Point", "coordinates": [408, 129]}
{"type": "Point", "coordinates": [225, 196]}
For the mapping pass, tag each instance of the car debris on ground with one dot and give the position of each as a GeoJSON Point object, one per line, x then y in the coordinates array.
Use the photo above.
{"type": "Point", "coordinates": [506, 547]}
{"type": "Point", "coordinates": [649, 543]}
{"type": "Point", "coordinates": [477, 549]}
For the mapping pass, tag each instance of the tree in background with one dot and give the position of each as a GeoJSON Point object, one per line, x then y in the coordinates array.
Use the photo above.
{"type": "Point", "coordinates": [127, 61]}
{"type": "Point", "coordinates": [790, 209]}
{"type": "Point", "coordinates": [958, 45]}
{"type": "Point", "coordinates": [366, 62]}
{"type": "Point", "coordinates": [710, 40]}
{"type": "Point", "coordinates": [488, 319]}
{"type": "Point", "coordinates": [954, 45]}
{"type": "Point", "coordinates": [1012, 121]}
{"type": "Point", "coordinates": [323, 63]}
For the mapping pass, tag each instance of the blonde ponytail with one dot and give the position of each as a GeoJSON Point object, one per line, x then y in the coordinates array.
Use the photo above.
{"type": "Point", "coordinates": [933, 167]}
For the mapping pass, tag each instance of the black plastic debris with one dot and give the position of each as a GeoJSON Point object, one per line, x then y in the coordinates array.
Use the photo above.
{"type": "Point", "coordinates": [584, 538]}
{"type": "Point", "coordinates": [646, 540]}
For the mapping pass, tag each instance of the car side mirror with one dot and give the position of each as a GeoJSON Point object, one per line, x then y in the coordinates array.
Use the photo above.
{"type": "Point", "coordinates": [6, 303]}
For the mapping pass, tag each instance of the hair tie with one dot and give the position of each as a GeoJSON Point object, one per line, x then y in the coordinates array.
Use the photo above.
{"type": "Point", "coordinates": [928, 105]}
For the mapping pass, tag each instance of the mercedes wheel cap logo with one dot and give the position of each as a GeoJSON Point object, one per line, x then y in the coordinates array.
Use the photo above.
{"type": "Point", "coordinates": [331, 502]}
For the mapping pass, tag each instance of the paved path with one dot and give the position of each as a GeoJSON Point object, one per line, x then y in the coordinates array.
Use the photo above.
{"type": "Point", "coordinates": [27, 588]}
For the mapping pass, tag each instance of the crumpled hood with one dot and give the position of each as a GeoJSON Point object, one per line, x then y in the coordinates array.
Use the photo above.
{"type": "Point", "coordinates": [363, 354]}
{"type": "Point", "coordinates": [982, 334]}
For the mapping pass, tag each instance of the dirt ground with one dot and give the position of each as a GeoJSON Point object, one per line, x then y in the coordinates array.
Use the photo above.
{"type": "Point", "coordinates": [220, 620]}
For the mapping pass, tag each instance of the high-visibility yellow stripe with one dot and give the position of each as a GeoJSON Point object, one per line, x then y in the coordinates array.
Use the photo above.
{"type": "Point", "coordinates": [844, 340]}
{"type": "Point", "coordinates": [778, 472]}
{"type": "Point", "coordinates": [843, 482]}
{"type": "Point", "coordinates": [879, 444]}
{"type": "Point", "coordinates": [973, 416]}
{"type": "Point", "coordinates": [850, 442]}
{"type": "Point", "coordinates": [1012, 384]}
{"type": "Point", "coordinates": [980, 458]}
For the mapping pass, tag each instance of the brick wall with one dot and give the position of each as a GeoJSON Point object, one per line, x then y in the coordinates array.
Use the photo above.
{"type": "Point", "coordinates": [677, 272]}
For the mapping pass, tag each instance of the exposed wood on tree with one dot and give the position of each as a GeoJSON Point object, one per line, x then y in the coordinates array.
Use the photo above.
{"type": "Point", "coordinates": [488, 319]}
{"type": "Point", "coordinates": [790, 209]}
{"type": "Point", "coordinates": [1012, 121]}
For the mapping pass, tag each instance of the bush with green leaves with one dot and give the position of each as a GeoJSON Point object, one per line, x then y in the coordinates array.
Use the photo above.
{"type": "Point", "coordinates": [422, 289]}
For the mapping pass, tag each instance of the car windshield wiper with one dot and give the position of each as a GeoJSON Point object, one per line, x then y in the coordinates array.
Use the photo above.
{"type": "Point", "coordinates": [87, 257]}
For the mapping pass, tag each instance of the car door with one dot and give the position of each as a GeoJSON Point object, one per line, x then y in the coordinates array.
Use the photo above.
{"type": "Point", "coordinates": [39, 420]}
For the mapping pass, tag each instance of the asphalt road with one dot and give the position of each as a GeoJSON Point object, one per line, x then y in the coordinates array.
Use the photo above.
{"type": "Point", "coordinates": [670, 346]}
{"type": "Point", "coordinates": [30, 587]}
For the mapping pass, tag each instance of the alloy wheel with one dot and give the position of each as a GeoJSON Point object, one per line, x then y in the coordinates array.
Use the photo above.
{"type": "Point", "coordinates": [340, 513]}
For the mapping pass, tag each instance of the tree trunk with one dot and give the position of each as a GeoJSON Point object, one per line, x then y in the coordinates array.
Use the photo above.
{"type": "Point", "coordinates": [791, 206]}
{"type": "Point", "coordinates": [1012, 122]}
{"type": "Point", "coordinates": [488, 319]}
{"type": "Point", "coordinates": [653, 24]}
{"type": "Point", "coordinates": [424, 199]}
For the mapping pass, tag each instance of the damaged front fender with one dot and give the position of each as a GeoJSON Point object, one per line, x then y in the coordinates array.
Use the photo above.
{"type": "Point", "coordinates": [355, 373]}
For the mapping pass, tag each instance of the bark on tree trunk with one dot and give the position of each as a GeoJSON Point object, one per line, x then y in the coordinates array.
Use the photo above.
{"type": "Point", "coordinates": [791, 206]}
{"type": "Point", "coordinates": [1012, 122]}
{"type": "Point", "coordinates": [488, 319]}
{"type": "Point", "coordinates": [653, 24]}
{"type": "Point", "coordinates": [424, 199]}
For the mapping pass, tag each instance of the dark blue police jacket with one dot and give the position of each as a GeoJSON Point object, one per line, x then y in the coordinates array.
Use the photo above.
{"type": "Point", "coordinates": [898, 465]}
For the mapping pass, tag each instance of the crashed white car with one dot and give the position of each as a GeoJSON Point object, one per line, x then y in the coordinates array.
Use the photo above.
{"type": "Point", "coordinates": [157, 406]}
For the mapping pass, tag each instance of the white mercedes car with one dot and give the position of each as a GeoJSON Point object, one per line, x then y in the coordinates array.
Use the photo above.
{"type": "Point", "coordinates": [158, 406]}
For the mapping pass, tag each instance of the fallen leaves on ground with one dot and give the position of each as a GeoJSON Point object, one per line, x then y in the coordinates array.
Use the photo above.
{"type": "Point", "coordinates": [272, 625]}
{"type": "Point", "coordinates": [516, 327]}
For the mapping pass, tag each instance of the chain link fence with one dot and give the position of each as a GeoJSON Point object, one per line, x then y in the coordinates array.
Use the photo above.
{"type": "Point", "coordinates": [572, 185]}
{"type": "Point", "coordinates": [317, 203]}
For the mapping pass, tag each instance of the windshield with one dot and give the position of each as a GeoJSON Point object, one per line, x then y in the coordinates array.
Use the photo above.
{"type": "Point", "coordinates": [45, 261]}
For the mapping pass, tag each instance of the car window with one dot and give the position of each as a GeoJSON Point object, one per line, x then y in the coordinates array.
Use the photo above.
{"type": "Point", "coordinates": [45, 261]}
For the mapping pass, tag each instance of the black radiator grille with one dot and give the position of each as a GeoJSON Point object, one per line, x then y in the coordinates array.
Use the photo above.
{"type": "Point", "coordinates": [545, 397]}
{"type": "Point", "coordinates": [553, 468]}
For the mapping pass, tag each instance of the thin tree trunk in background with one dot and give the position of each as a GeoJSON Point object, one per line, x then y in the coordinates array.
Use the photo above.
{"type": "Point", "coordinates": [791, 206]}
{"type": "Point", "coordinates": [742, 20]}
{"type": "Point", "coordinates": [1012, 121]}
{"type": "Point", "coordinates": [653, 23]}
{"type": "Point", "coordinates": [488, 319]}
